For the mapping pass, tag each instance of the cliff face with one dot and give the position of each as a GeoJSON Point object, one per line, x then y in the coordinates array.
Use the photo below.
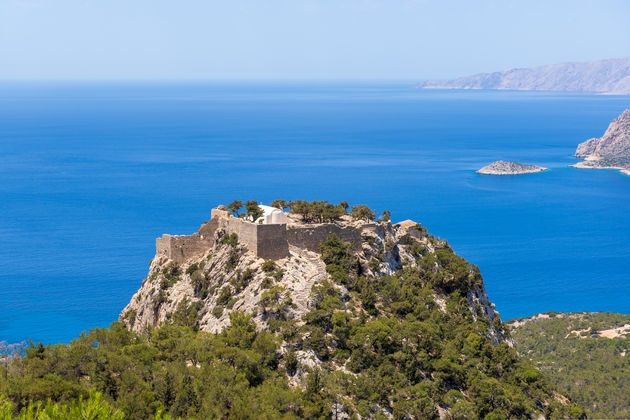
{"type": "Point", "coordinates": [605, 76]}
{"type": "Point", "coordinates": [612, 150]}
{"type": "Point", "coordinates": [229, 277]}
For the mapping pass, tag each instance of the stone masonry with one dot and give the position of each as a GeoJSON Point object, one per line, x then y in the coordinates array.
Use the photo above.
{"type": "Point", "coordinates": [268, 241]}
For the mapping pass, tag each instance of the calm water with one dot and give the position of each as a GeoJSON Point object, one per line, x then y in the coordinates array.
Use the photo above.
{"type": "Point", "coordinates": [92, 174]}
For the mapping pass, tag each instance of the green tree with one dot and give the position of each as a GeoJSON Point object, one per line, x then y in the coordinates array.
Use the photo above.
{"type": "Point", "coordinates": [234, 207]}
{"type": "Point", "coordinates": [254, 212]}
{"type": "Point", "coordinates": [280, 204]}
{"type": "Point", "coordinates": [362, 212]}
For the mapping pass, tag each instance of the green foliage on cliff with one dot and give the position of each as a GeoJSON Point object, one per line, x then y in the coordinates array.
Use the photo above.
{"type": "Point", "coordinates": [593, 370]}
{"type": "Point", "coordinates": [407, 356]}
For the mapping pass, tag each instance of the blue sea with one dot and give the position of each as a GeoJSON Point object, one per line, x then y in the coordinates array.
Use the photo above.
{"type": "Point", "coordinates": [92, 173]}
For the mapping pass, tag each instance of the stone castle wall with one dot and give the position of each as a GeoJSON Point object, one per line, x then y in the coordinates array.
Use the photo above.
{"type": "Point", "coordinates": [310, 236]}
{"type": "Point", "coordinates": [266, 241]}
{"type": "Point", "coordinates": [272, 243]}
{"type": "Point", "coordinates": [180, 248]}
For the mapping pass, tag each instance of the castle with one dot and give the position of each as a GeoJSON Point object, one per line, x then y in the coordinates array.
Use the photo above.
{"type": "Point", "coordinates": [268, 238]}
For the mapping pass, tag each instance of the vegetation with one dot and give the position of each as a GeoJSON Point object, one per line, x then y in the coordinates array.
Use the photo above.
{"type": "Point", "coordinates": [165, 371]}
{"type": "Point", "coordinates": [280, 204]}
{"type": "Point", "coordinates": [317, 211]}
{"type": "Point", "coordinates": [253, 211]}
{"type": "Point", "coordinates": [310, 211]}
{"type": "Point", "coordinates": [593, 370]}
{"type": "Point", "coordinates": [234, 207]}
{"type": "Point", "coordinates": [230, 239]}
{"type": "Point", "coordinates": [362, 212]}
{"type": "Point", "coordinates": [170, 276]}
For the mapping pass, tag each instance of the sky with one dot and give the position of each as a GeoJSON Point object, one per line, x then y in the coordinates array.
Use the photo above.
{"type": "Point", "coordinates": [301, 39]}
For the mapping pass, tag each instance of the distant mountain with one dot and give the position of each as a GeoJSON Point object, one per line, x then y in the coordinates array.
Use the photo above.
{"type": "Point", "coordinates": [606, 76]}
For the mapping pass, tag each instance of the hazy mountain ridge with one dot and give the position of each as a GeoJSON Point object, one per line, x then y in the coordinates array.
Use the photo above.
{"type": "Point", "coordinates": [610, 76]}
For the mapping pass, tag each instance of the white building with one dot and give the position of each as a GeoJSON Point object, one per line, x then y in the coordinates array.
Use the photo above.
{"type": "Point", "coordinates": [272, 216]}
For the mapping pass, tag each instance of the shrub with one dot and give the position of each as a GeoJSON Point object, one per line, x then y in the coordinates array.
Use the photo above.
{"type": "Point", "coordinates": [230, 239]}
{"type": "Point", "coordinates": [217, 311]}
{"type": "Point", "coordinates": [192, 268]}
{"type": "Point", "coordinates": [268, 266]}
{"type": "Point", "coordinates": [224, 296]}
{"type": "Point", "coordinates": [278, 274]}
{"type": "Point", "coordinates": [335, 251]}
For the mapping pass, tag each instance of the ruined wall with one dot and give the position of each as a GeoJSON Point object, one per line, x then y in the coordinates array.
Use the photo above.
{"type": "Point", "coordinates": [271, 241]}
{"type": "Point", "coordinates": [181, 248]}
{"type": "Point", "coordinates": [310, 236]}
{"type": "Point", "coordinates": [265, 241]}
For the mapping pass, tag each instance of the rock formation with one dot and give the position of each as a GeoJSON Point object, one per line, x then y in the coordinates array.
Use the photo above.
{"type": "Point", "coordinates": [502, 167]}
{"type": "Point", "coordinates": [611, 151]}
{"type": "Point", "coordinates": [228, 276]}
{"type": "Point", "coordinates": [605, 76]}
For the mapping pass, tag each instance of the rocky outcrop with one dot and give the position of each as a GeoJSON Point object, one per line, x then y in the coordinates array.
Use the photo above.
{"type": "Point", "coordinates": [611, 151]}
{"type": "Point", "coordinates": [605, 76]}
{"type": "Point", "coordinates": [502, 167]}
{"type": "Point", "coordinates": [228, 276]}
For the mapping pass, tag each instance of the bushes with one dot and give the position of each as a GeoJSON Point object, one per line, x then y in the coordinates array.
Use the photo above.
{"type": "Point", "coordinates": [230, 239]}
{"type": "Point", "coordinates": [363, 212]}
{"type": "Point", "coordinates": [268, 266]}
{"type": "Point", "coordinates": [171, 276]}
{"type": "Point", "coordinates": [317, 211]}
{"type": "Point", "coordinates": [336, 252]}
{"type": "Point", "coordinates": [148, 377]}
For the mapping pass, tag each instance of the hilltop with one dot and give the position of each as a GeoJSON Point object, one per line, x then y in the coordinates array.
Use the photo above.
{"type": "Point", "coordinates": [586, 354]}
{"type": "Point", "coordinates": [611, 151]}
{"type": "Point", "coordinates": [606, 76]}
{"type": "Point", "coordinates": [324, 310]}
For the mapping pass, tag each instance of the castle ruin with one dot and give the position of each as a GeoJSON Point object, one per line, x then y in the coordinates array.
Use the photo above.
{"type": "Point", "coordinates": [269, 240]}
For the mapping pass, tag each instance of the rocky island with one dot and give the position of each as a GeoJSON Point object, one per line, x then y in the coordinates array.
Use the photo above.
{"type": "Point", "coordinates": [611, 151]}
{"type": "Point", "coordinates": [503, 167]}
{"type": "Point", "coordinates": [605, 76]}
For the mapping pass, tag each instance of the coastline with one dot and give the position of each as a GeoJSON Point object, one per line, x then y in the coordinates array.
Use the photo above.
{"type": "Point", "coordinates": [584, 165]}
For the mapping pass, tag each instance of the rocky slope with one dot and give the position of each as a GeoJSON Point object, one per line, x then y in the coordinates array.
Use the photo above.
{"type": "Point", "coordinates": [230, 278]}
{"type": "Point", "coordinates": [612, 150]}
{"type": "Point", "coordinates": [605, 76]}
{"type": "Point", "coordinates": [502, 167]}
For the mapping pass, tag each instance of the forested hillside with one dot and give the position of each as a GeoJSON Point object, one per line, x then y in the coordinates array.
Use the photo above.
{"type": "Point", "coordinates": [585, 354]}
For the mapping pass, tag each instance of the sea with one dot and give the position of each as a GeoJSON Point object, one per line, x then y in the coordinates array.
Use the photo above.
{"type": "Point", "coordinates": [92, 172]}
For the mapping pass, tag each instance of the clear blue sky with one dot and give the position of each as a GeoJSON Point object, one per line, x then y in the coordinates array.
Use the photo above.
{"type": "Point", "coordinates": [301, 39]}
